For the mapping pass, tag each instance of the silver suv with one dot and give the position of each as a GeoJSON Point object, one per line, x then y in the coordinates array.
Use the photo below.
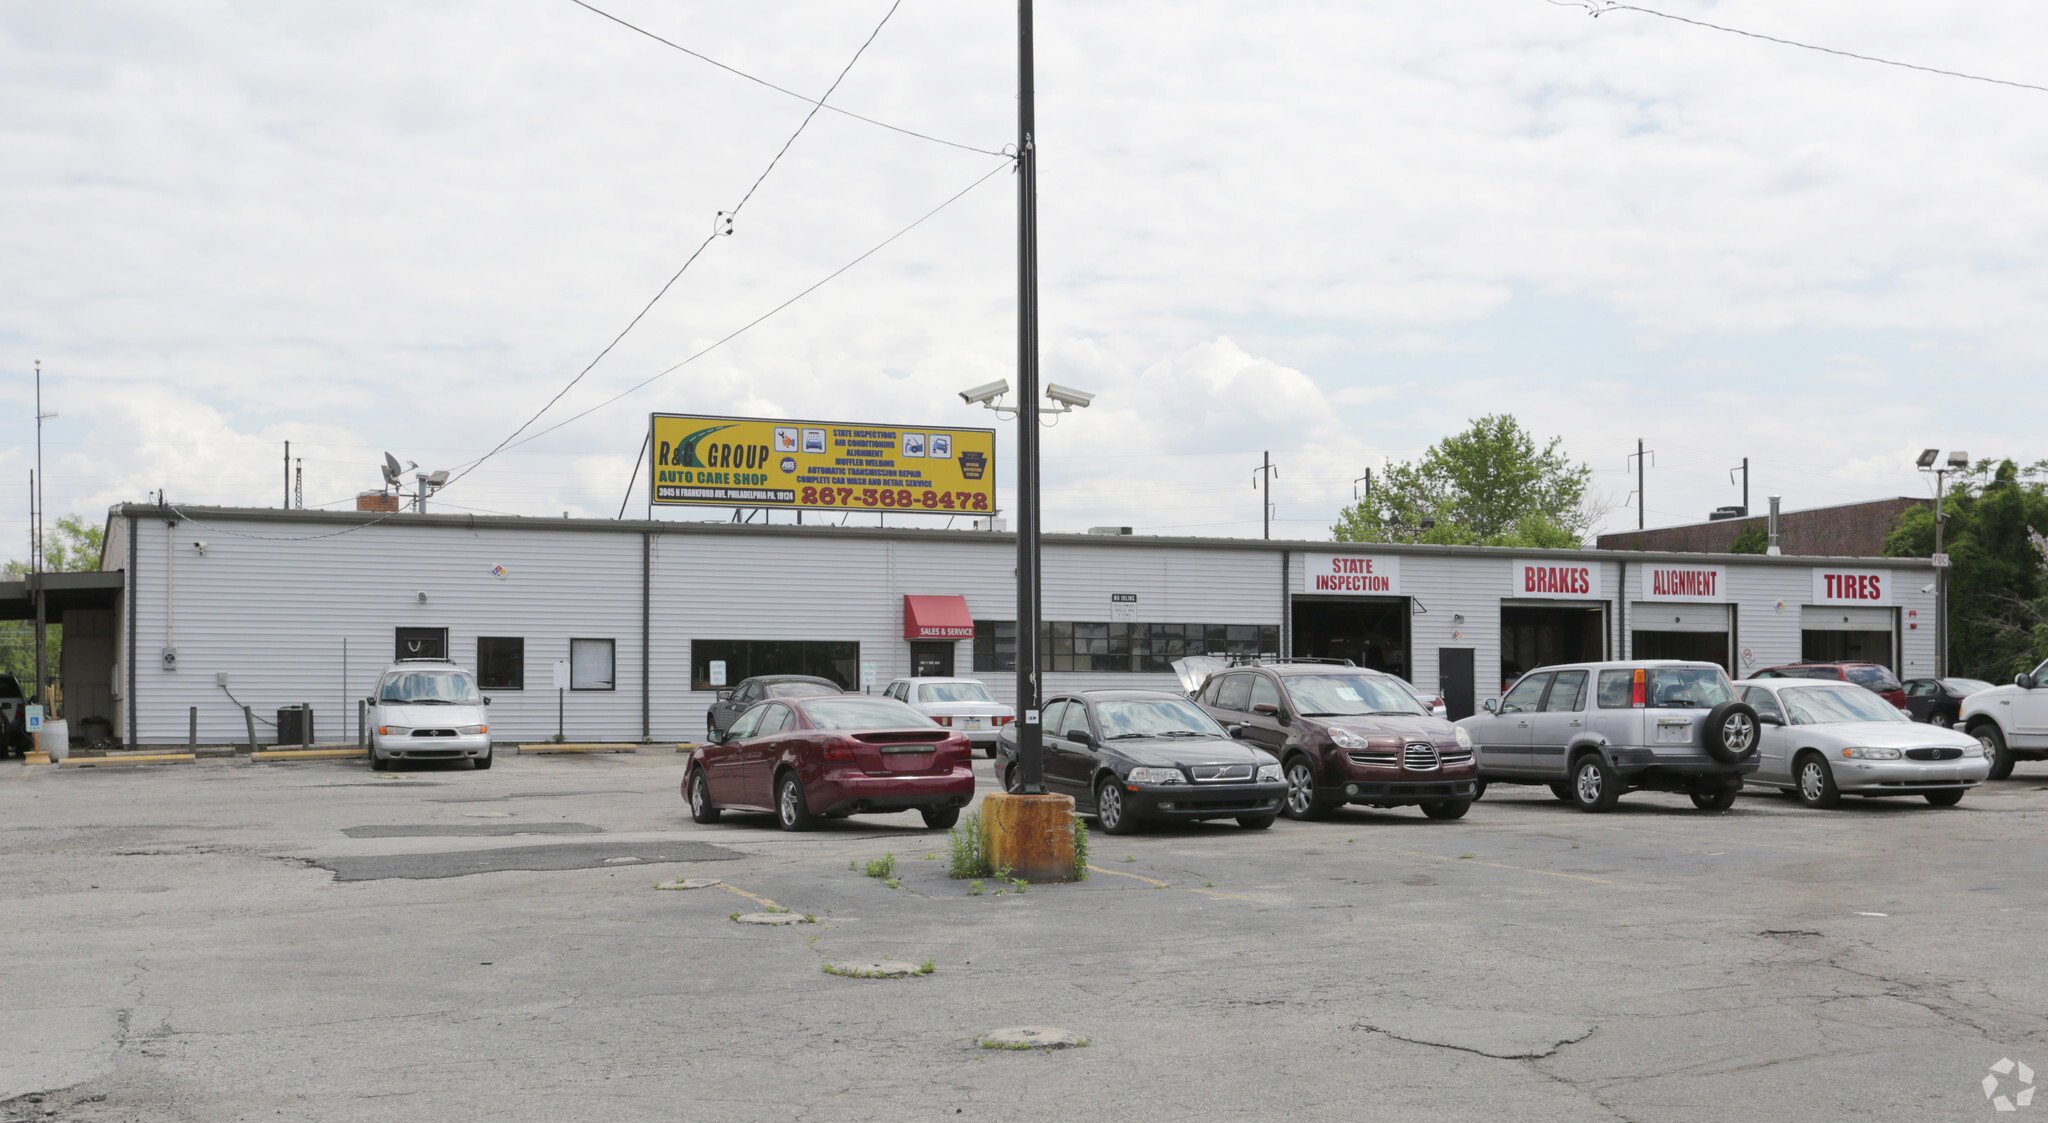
{"type": "Point", "coordinates": [1594, 730]}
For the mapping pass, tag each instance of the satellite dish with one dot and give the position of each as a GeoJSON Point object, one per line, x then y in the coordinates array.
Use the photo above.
{"type": "Point", "coordinates": [438, 479]}
{"type": "Point", "coordinates": [391, 470]}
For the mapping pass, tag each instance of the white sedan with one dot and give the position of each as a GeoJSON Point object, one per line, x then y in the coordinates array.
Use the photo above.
{"type": "Point", "coordinates": [1823, 740]}
{"type": "Point", "coordinates": [961, 704]}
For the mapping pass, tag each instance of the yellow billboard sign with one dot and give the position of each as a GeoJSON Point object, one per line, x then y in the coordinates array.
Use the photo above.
{"type": "Point", "coordinates": [754, 462]}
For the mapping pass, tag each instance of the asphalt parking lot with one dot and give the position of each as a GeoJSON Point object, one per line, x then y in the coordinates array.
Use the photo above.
{"type": "Point", "coordinates": [226, 941]}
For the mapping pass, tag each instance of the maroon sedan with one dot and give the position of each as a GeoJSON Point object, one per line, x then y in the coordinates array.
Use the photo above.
{"type": "Point", "coordinates": [832, 756]}
{"type": "Point", "coordinates": [1874, 677]}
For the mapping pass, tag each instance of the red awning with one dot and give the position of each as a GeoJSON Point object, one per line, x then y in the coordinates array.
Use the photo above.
{"type": "Point", "coordinates": [937, 618]}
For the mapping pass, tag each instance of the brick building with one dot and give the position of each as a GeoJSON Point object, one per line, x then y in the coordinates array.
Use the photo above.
{"type": "Point", "coordinates": [1849, 530]}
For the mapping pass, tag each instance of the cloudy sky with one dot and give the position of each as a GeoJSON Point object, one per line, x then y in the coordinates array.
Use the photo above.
{"type": "Point", "coordinates": [1335, 231]}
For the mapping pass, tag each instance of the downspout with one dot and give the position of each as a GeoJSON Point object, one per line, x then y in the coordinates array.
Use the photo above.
{"type": "Point", "coordinates": [1286, 605]}
{"type": "Point", "coordinates": [128, 734]}
{"type": "Point", "coordinates": [646, 635]}
{"type": "Point", "coordinates": [1621, 613]}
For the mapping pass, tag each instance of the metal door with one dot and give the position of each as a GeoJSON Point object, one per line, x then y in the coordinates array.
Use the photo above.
{"type": "Point", "coordinates": [1504, 737]}
{"type": "Point", "coordinates": [1454, 682]}
{"type": "Point", "coordinates": [1068, 763]}
{"type": "Point", "coordinates": [931, 660]}
{"type": "Point", "coordinates": [1773, 743]}
{"type": "Point", "coordinates": [1559, 722]}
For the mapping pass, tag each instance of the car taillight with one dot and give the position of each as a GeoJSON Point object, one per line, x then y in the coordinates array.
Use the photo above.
{"type": "Point", "coordinates": [836, 749]}
{"type": "Point", "coordinates": [1002, 720]}
{"type": "Point", "coordinates": [1636, 698]}
{"type": "Point", "coordinates": [946, 721]}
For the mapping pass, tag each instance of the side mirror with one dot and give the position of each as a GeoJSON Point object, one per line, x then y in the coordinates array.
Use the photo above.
{"type": "Point", "coordinates": [725, 695]}
{"type": "Point", "coordinates": [1492, 705]}
{"type": "Point", "coordinates": [1267, 708]}
{"type": "Point", "coordinates": [487, 699]}
{"type": "Point", "coordinates": [1082, 738]}
{"type": "Point", "coordinates": [2023, 680]}
{"type": "Point", "coordinates": [1236, 731]}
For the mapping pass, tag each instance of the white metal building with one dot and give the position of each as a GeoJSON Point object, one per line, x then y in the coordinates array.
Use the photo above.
{"type": "Point", "coordinates": [222, 607]}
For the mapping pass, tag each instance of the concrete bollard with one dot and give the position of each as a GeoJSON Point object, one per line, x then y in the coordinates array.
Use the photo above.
{"type": "Point", "coordinates": [1031, 835]}
{"type": "Point", "coordinates": [306, 726]}
{"type": "Point", "coordinates": [249, 720]}
{"type": "Point", "coordinates": [362, 723]}
{"type": "Point", "coordinates": [192, 732]}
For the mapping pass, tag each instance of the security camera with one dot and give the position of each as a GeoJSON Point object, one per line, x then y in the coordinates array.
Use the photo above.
{"type": "Point", "coordinates": [423, 598]}
{"type": "Point", "coordinates": [1068, 396]}
{"type": "Point", "coordinates": [201, 547]}
{"type": "Point", "coordinates": [986, 394]}
{"type": "Point", "coordinates": [1927, 588]}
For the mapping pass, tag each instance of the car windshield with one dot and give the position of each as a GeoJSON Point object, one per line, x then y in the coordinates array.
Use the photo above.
{"type": "Point", "coordinates": [430, 688]}
{"type": "Point", "coordinates": [855, 711]}
{"type": "Point", "coordinates": [1162, 717]}
{"type": "Point", "coordinates": [1692, 688]}
{"type": "Point", "coordinates": [953, 692]}
{"type": "Point", "coordinates": [1817, 705]}
{"type": "Point", "coordinates": [1344, 695]}
{"type": "Point", "coordinates": [797, 690]}
{"type": "Point", "coordinates": [1873, 678]}
{"type": "Point", "coordinates": [1965, 686]}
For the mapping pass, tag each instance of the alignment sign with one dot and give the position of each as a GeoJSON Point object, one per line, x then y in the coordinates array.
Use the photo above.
{"type": "Point", "coordinates": [758, 462]}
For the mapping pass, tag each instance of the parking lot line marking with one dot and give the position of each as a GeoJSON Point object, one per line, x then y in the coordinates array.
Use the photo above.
{"type": "Point", "coordinates": [747, 895]}
{"type": "Point", "coordinates": [1725, 841]}
{"type": "Point", "coordinates": [1156, 883]}
{"type": "Point", "coordinates": [1504, 866]}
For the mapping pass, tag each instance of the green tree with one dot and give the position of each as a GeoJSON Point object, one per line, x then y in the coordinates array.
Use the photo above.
{"type": "Point", "coordinates": [1752, 540]}
{"type": "Point", "coordinates": [1486, 486]}
{"type": "Point", "coordinates": [1997, 581]}
{"type": "Point", "coordinates": [72, 545]}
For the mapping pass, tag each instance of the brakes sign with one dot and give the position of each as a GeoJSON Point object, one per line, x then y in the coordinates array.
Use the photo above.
{"type": "Point", "coordinates": [1578, 580]}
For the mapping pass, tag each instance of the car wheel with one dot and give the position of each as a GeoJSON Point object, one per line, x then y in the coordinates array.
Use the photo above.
{"type": "Point", "coordinates": [1720, 799]}
{"type": "Point", "coordinates": [1562, 791]}
{"type": "Point", "coordinates": [1110, 809]}
{"type": "Point", "coordinates": [940, 818]}
{"type": "Point", "coordinates": [1446, 808]}
{"type": "Point", "coordinates": [378, 761]}
{"type": "Point", "coordinates": [1944, 799]}
{"type": "Point", "coordinates": [1012, 782]}
{"type": "Point", "coordinates": [791, 809]}
{"type": "Point", "coordinates": [1940, 719]}
{"type": "Point", "coordinates": [1995, 751]}
{"type": "Point", "coordinates": [1595, 787]}
{"type": "Point", "coordinates": [483, 761]}
{"type": "Point", "coordinates": [1730, 732]}
{"type": "Point", "coordinates": [989, 752]}
{"type": "Point", "coordinates": [1257, 822]}
{"type": "Point", "coordinates": [1301, 793]}
{"type": "Point", "coordinates": [1816, 782]}
{"type": "Point", "coordinates": [1478, 789]}
{"type": "Point", "coordinates": [699, 795]}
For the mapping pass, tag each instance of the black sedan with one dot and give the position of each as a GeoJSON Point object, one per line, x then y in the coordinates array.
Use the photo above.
{"type": "Point", "coordinates": [1129, 756]}
{"type": "Point", "coordinates": [732, 703]}
{"type": "Point", "coordinates": [1938, 701]}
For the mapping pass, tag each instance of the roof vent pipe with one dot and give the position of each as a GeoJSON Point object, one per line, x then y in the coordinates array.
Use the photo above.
{"type": "Point", "coordinates": [1772, 549]}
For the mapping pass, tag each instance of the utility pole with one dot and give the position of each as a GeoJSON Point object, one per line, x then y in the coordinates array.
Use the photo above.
{"type": "Point", "coordinates": [1355, 496]}
{"type": "Point", "coordinates": [1639, 456]}
{"type": "Point", "coordinates": [1030, 745]}
{"type": "Point", "coordinates": [299, 483]}
{"type": "Point", "coordinates": [1266, 473]}
{"type": "Point", "coordinates": [287, 475]}
{"type": "Point", "coordinates": [1940, 579]}
{"type": "Point", "coordinates": [36, 489]}
{"type": "Point", "coordinates": [1745, 483]}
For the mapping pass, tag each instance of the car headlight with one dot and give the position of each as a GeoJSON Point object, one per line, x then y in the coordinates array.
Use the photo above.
{"type": "Point", "coordinates": [1345, 739]}
{"type": "Point", "coordinates": [472, 730]}
{"type": "Point", "coordinates": [394, 730]}
{"type": "Point", "coordinates": [1871, 754]}
{"type": "Point", "coordinates": [1270, 773]}
{"type": "Point", "coordinates": [1464, 738]}
{"type": "Point", "coordinates": [1973, 750]}
{"type": "Point", "coordinates": [1154, 776]}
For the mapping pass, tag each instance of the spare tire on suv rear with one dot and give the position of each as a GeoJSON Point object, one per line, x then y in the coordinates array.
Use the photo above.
{"type": "Point", "coordinates": [1731, 732]}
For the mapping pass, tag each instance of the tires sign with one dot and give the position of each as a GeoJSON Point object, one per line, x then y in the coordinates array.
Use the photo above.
{"type": "Point", "coordinates": [1852, 586]}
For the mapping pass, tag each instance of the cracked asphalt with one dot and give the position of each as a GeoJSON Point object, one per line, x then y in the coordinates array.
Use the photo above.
{"type": "Point", "coordinates": [228, 941]}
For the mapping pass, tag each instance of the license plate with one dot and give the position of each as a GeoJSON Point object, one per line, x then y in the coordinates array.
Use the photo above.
{"type": "Point", "coordinates": [970, 723]}
{"type": "Point", "coordinates": [1675, 733]}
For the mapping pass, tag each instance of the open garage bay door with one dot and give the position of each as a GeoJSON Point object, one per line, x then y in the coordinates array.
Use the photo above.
{"type": "Point", "coordinates": [1828, 634]}
{"type": "Point", "coordinates": [1681, 631]}
{"type": "Point", "coordinates": [1369, 631]}
{"type": "Point", "coordinates": [1533, 635]}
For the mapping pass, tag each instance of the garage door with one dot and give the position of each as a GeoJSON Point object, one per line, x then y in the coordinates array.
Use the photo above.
{"type": "Point", "coordinates": [1646, 617]}
{"type": "Point", "coordinates": [1826, 618]}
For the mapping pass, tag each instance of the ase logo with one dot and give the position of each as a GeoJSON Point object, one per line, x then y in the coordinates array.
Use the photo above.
{"type": "Point", "coordinates": [2006, 1066]}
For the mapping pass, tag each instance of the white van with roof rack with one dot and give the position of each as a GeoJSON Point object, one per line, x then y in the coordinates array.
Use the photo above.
{"type": "Point", "coordinates": [428, 709]}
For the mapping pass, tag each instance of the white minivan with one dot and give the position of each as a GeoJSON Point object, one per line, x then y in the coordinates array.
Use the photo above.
{"type": "Point", "coordinates": [428, 709]}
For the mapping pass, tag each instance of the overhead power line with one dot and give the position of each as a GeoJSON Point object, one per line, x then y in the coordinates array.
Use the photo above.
{"type": "Point", "coordinates": [782, 89]}
{"type": "Point", "coordinates": [1597, 8]}
{"type": "Point", "coordinates": [723, 225]}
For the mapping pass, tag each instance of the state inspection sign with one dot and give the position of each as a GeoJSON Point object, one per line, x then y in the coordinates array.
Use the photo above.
{"type": "Point", "coordinates": [826, 465]}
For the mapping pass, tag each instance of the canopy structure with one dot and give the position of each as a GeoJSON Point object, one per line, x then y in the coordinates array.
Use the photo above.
{"type": "Point", "coordinates": [930, 617]}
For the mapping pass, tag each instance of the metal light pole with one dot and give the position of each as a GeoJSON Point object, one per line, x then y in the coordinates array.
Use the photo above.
{"type": "Point", "coordinates": [1030, 745]}
{"type": "Point", "coordinates": [1959, 461]}
{"type": "Point", "coordinates": [42, 620]}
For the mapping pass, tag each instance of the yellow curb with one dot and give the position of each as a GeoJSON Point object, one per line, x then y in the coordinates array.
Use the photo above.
{"type": "Point", "coordinates": [544, 750]}
{"type": "Point", "coordinates": [97, 761]}
{"type": "Point", "coordinates": [37, 756]}
{"type": "Point", "coordinates": [687, 746]}
{"type": "Point", "coordinates": [311, 754]}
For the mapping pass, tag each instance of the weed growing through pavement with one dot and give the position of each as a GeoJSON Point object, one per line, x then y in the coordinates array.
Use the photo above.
{"type": "Point", "coordinates": [774, 908]}
{"type": "Point", "coordinates": [1129, 858]}
{"type": "Point", "coordinates": [1464, 856]}
{"type": "Point", "coordinates": [883, 868]}
{"type": "Point", "coordinates": [974, 888]}
{"type": "Point", "coordinates": [1080, 849]}
{"type": "Point", "coordinates": [893, 883]}
{"type": "Point", "coordinates": [967, 847]}
{"type": "Point", "coordinates": [925, 968]}
{"type": "Point", "coordinates": [733, 916]}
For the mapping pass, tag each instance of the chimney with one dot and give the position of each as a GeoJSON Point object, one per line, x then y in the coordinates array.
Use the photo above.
{"type": "Point", "coordinates": [380, 501]}
{"type": "Point", "coordinates": [1773, 547]}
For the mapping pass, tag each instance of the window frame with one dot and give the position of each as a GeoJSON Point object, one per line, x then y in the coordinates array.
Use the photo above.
{"type": "Point", "coordinates": [398, 644]}
{"type": "Point", "coordinates": [1585, 680]}
{"type": "Point", "coordinates": [613, 646]}
{"type": "Point", "coordinates": [483, 664]}
{"type": "Point", "coordinates": [1541, 693]}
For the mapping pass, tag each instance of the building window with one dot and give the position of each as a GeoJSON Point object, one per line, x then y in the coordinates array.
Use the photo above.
{"type": "Point", "coordinates": [591, 664]}
{"type": "Point", "coordinates": [422, 643]}
{"type": "Point", "coordinates": [501, 662]}
{"type": "Point", "coordinates": [828, 659]}
{"type": "Point", "coordinates": [1075, 645]}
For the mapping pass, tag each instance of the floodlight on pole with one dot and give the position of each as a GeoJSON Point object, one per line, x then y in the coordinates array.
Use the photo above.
{"type": "Point", "coordinates": [1928, 458]}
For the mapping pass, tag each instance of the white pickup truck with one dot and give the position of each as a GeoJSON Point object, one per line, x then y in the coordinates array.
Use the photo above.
{"type": "Point", "coordinates": [2011, 722]}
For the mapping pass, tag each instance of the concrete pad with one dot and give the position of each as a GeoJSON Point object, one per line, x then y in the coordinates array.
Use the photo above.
{"type": "Point", "coordinates": [771, 919]}
{"type": "Point", "coordinates": [689, 883]}
{"type": "Point", "coordinates": [55, 1048]}
{"type": "Point", "coordinates": [1489, 1033]}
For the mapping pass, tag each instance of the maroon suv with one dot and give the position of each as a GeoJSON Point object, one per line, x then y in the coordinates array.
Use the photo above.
{"type": "Point", "coordinates": [1874, 677]}
{"type": "Point", "coordinates": [1345, 734]}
